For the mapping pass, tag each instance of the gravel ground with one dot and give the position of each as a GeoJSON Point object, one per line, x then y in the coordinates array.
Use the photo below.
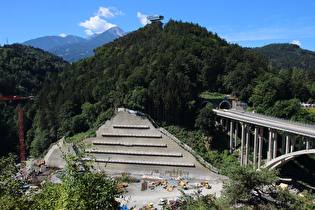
{"type": "Point", "coordinates": [134, 197]}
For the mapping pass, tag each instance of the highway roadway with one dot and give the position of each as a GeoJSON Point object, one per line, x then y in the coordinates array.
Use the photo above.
{"type": "Point", "coordinates": [269, 122]}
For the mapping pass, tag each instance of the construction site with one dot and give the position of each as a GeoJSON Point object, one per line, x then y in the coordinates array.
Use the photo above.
{"type": "Point", "coordinates": [130, 143]}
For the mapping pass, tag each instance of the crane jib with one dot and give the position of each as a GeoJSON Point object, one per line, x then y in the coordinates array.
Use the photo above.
{"type": "Point", "coordinates": [16, 97]}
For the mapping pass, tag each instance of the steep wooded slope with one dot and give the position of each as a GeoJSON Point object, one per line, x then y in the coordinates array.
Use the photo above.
{"type": "Point", "coordinates": [285, 56]}
{"type": "Point", "coordinates": [158, 70]}
{"type": "Point", "coordinates": [23, 71]}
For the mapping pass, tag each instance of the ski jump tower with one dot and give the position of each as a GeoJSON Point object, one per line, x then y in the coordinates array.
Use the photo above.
{"type": "Point", "coordinates": [155, 18]}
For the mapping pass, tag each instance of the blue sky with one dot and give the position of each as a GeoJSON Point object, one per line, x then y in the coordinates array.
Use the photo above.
{"type": "Point", "coordinates": [249, 23]}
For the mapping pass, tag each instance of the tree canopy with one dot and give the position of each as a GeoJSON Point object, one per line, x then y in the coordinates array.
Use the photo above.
{"type": "Point", "coordinates": [23, 71]}
{"type": "Point", "coordinates": [258, 189]}
{"type": "Point", "coordinates": [285, 56]}
{"type": "Point", "coordinates": [83, 187]}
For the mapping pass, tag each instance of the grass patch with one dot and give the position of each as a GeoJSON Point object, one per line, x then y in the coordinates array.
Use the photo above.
{"type": "Point", "coordinates": [214, 152]}
{"type": "Point", "coordinates": [80, 136]}
{"type": "Point", "coordinates": [212, 95]}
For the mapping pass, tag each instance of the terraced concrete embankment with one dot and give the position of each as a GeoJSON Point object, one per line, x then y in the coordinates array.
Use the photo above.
{"type": "Point", "coordinates": [130, 143]}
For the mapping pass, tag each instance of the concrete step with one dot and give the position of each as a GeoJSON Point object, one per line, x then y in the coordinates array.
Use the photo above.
{"type": "Point", "coordinates": [131, 135]}
{"type": "Point", "coordinates": [132, 126]}
{"type": "Point", "coordinates": [137, 153]}
{"type": "Point", "coordinates": [145, 162]}
{"type": "Point", "coordinates": [139, 157]}
{"type": "Point", "coordinates": [127, 144]}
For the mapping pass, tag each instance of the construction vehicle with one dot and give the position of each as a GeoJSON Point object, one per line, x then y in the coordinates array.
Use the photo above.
{"type": "Point", "coordinates": [122, 185]}
{"type": "Point", "coordinates": [207, 185]}
{"type": "Point", "coordinates": [169, 189]}
{"type": "Point", "coordinates": [151, 185]}
{"type": "Point", "coordinates": [150, 206]}
{"type": "Point", "coordinates": [157, 183]}
{"type": "Point", "coordinates": [164, 181]}
{"type": "Point", "coordinates": [183, 184]}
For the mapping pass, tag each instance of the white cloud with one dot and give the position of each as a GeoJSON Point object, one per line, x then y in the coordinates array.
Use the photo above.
{"type": "Point", "coordinates": [143, 18]}
{"type": "Point", "coordinates": [96, 25]}
{"type": "Point", "coordinates": [63, 35]}
{"type": "Point", "coordinates": [116, 12]}
{"type": "Point", "coordinates": [104, 12]}
{"type": "Point", "coordinates": [297, 42]}
{"type": "Point", "coordinates": [89, 32]}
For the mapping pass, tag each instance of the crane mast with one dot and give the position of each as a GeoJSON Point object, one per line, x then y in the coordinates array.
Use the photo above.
{"type": "Point", "coordinates": [21, 134]}
{"type": "Point", "coordinates": [20, 117]}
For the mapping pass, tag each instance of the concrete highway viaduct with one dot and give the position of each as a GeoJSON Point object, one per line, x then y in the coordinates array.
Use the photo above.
{"type": "Point", "coordinates": [284, 140]}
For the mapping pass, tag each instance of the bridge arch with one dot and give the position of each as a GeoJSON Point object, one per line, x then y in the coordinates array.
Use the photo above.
{"type": "Point", "coordinates": [281, 160]}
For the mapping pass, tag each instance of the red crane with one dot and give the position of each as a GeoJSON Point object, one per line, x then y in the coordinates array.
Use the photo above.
{"type": "Point", "coordinates": [20, 117]}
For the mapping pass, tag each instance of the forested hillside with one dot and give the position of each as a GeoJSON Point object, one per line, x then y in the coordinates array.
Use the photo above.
{"type": "Point", "coordinates": [23, 71]}
{"type": "Point", "coordinates": [285, 56]}
{"type": "Point", "coordinates": [161, 70]}
{"type": "Point", "coordinates": [158, 70]}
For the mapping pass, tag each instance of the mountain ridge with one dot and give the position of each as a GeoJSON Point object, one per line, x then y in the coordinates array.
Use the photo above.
{"type": "Point", "coordinates": [73, 48]}
{"type": "Point", "coordinates": [285, 56]}
{"type": "Point", "coordinates": [48, 42]}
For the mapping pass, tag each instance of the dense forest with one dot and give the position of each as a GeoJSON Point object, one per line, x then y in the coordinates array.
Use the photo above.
{"type": "Point", "coordinates": [161, 70]}
{"type": "Point", "coordinates": [23, 71]}
{"type": "Point", "coordinates": [285, 56]}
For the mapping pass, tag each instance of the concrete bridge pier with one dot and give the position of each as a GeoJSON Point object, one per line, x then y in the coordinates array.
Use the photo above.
{"type": "Point", "coordinates": [275, 143]}
{"type": "Point", "coordinates": [236, 135]}
{"type": "Point", "coordinates": [245, 141]}
{"type": "Point", "coordinates": [283, 144]}
{"type": "Point", "coordinates": [272, 144]}
{"type": "Point", "coordinates": [242, 144]}
{"type": "Point", "coordinates": [307, 146]}
{"type": "Point", "coordinates": [258, 146]}
{"type": "Point", "coordinates": [309, 143]}
{"type": "Point", "coordinates": [287, 144]}
{"type": "Point", "coordinates": [233, 131]}
{"type": "Point", "coordinates": [261, 140]}
{"type": "Point", "coordinates": [231, 135]}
